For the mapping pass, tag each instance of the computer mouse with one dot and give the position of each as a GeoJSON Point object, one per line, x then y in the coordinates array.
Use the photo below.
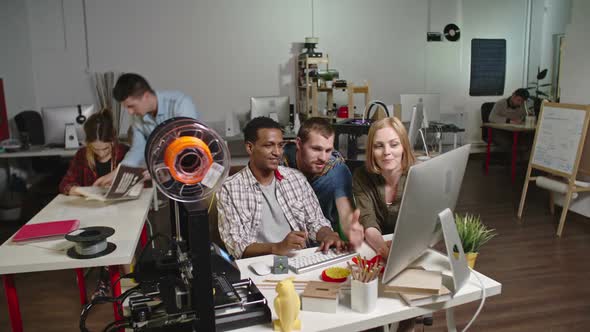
{"type": "Point", "coordinates": [260, 268]}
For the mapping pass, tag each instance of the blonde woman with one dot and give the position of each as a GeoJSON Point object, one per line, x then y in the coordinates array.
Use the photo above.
{"type": "Point", "coordinates": [100, 156]}
{"type": "Point", "coordinates": [378, 186]}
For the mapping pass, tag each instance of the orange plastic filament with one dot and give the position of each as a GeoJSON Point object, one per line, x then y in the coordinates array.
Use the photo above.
{"type": "Point", "coordinates": [188, 149]}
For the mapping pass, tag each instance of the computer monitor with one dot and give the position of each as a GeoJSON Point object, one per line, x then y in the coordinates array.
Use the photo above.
{"type": "Point", "coordinates": [56, 118]}
{"type": "Point", "coordinates": [275, 107]}
{"type": "Point", "coordinates": [418, 122]}
{"type": "Point", "coordinates": [431, 187]}
{"type": "Point", "coordinates": [431, 102]}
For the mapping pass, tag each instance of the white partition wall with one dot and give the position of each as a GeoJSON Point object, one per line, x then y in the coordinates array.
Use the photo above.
{"type": "Point", "coordinates": [221, 52]}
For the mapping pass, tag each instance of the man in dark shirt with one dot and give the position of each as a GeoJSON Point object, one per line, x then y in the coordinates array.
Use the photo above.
{"type": "Point", "coordinates": [313, 154]}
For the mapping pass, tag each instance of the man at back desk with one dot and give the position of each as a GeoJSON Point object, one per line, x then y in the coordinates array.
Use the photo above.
{"type": "Point", "coordinates": [266, 208]}
{"type": "Point", "coordinates": [148, 108]}
{"type": "Point", "coordinates": [511, 109]}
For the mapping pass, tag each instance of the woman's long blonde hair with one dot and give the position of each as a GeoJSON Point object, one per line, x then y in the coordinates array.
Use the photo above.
{"type": "Point", "coordinates": [408, 158]}
{"type": "Point", "coordinates": [99, 127]}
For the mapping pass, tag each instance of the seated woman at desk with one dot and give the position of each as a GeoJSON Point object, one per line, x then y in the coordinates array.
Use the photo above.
{"type": "Point", "coordinates": [378, 186]}
{"type": "Point", "coordinates": [99, 157]}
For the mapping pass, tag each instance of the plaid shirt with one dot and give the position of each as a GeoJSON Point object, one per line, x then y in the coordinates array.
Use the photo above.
{"type": "Point", "coordinates": [239, 203]}
{"type": "Point", "coordinates": [79, 172]}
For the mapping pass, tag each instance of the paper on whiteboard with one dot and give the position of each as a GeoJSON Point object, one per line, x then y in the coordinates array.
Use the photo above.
{"type": "Point", "coordinates": [558, 138]}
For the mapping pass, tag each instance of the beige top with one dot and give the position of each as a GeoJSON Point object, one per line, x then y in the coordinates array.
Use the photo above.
{"type": "Point", "coordinates": [502, 111]}
{"type": "Point", "coordinates": [369, 195]}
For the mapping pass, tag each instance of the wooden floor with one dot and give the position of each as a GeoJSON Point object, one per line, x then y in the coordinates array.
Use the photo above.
{"type": "Point", "coordinates": [545, 279]}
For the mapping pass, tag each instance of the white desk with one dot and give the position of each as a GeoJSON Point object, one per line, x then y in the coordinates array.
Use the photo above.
{"type": "Point", "coordinates": [126, 217]}
{"type": "Point", "coordinates": [39, 151]}
{"type": "Point", "coordinates": [388, 310]}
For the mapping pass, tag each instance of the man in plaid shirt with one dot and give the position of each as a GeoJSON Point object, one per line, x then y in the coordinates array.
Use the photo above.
{"type": "Point", "coordinates": [270, 209]}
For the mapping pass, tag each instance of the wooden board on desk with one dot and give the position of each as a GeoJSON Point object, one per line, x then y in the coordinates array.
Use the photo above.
{"type": "Point", "coordinates": [415, 300]}
{"type": "Point", "coordinates": [416, 281]}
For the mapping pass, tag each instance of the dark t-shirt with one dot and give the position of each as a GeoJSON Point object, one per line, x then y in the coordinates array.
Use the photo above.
{"type": "Point", "coordinates": [103, 168]}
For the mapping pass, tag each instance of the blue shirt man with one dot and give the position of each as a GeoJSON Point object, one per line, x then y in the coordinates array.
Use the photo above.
{"type": "Point", "coordinates": [170, 104]}
{"type": "Point", "coordinates": [313, 154]}
{"type": "Point", "coordinates": [148, 109]}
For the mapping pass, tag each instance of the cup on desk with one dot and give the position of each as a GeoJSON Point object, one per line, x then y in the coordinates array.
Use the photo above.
{"type": "Point", "coordinates": [363, 295]}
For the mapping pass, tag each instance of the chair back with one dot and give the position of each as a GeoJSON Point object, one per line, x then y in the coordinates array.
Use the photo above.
{"type": "Point", "coordinates": [214, 235]}
{"type": "Point", "coordinates": [30, 127]}
{"type": "Point", "coordinates": [486, 109]}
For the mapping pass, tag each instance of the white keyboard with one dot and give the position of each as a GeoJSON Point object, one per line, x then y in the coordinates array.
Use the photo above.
{"type": "Point", "coordinates": [302, 264]}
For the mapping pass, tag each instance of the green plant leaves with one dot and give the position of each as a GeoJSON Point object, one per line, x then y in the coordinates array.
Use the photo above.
{"type": "Point", "coordinates": [472, 232]}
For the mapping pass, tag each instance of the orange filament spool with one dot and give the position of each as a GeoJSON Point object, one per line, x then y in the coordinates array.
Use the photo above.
{"type": "Point", "coordinates": [188, 158]}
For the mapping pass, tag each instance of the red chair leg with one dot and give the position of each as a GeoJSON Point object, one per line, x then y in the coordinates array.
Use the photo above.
{"type": "Point", "coordinates": [143, 238]}
{"type": "Point", "coordinates": [488, 150]}
{"type": "Point", "coordinates": [13, 307]}
{"type": "Point", "coordinates": [514, 155]}
{"type": "Point", "coordinates": [81, 286]}
{"type": "Point", "coordinates": [116, 288]}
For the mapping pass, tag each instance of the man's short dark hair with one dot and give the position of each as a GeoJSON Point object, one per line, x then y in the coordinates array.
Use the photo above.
{"type": "Point", "coordinates": [321, 125]}
{"type": "Point", "coordinates": [131, 85]}
{"type": "Point", "coordinates": [261, 122]}
{"type": "Point", "coordinates": [523, 93]}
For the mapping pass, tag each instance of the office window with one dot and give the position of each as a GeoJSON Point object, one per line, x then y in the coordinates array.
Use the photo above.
{"type": "Point", "coordinates": [488, 67]}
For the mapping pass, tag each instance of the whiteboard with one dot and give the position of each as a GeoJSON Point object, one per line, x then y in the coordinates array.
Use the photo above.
{"type": "Point", "coordinates": [558, 138]}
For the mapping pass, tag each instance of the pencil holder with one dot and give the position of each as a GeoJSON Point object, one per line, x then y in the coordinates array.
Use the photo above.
{"type": "Point", "coordinates": [363, 295]}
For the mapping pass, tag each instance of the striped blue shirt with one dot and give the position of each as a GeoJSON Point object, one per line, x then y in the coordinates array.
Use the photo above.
{"type": "Point", "coordinates": [170, 104]}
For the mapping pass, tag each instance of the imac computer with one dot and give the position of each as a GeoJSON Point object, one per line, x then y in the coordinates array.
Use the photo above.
{"type": "Point", "coordinates": [431, 102]}
{"type": "Point", "coordinates": [417, 122]}
{"type": "Point", "coordinates": [276, 107]}
{"type": "Point", "coordinates": [55, 120]}
{"type": "Point", "coordinates": [431, 187]}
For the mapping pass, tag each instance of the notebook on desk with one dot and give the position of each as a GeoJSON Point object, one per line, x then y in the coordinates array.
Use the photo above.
{"type": "Point", "coordinates": [45, 229]}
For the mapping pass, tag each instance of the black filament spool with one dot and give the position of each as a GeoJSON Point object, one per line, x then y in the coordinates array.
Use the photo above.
{"type": "Point", "coordinates": [90, 242]}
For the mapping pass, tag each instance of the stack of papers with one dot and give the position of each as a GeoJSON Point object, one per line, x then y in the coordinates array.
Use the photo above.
{"type": "Point", "coordinates": [418, 287]}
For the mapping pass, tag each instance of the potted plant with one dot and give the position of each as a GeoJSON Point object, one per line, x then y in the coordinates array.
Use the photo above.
{"type": "Point", "coordinates": [473, 234]}
{"type": "Point", "coordinates": [537, 88]}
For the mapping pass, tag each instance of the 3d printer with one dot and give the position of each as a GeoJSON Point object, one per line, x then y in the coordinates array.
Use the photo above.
{"type": "Point", "coordinates": [191, 284]}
